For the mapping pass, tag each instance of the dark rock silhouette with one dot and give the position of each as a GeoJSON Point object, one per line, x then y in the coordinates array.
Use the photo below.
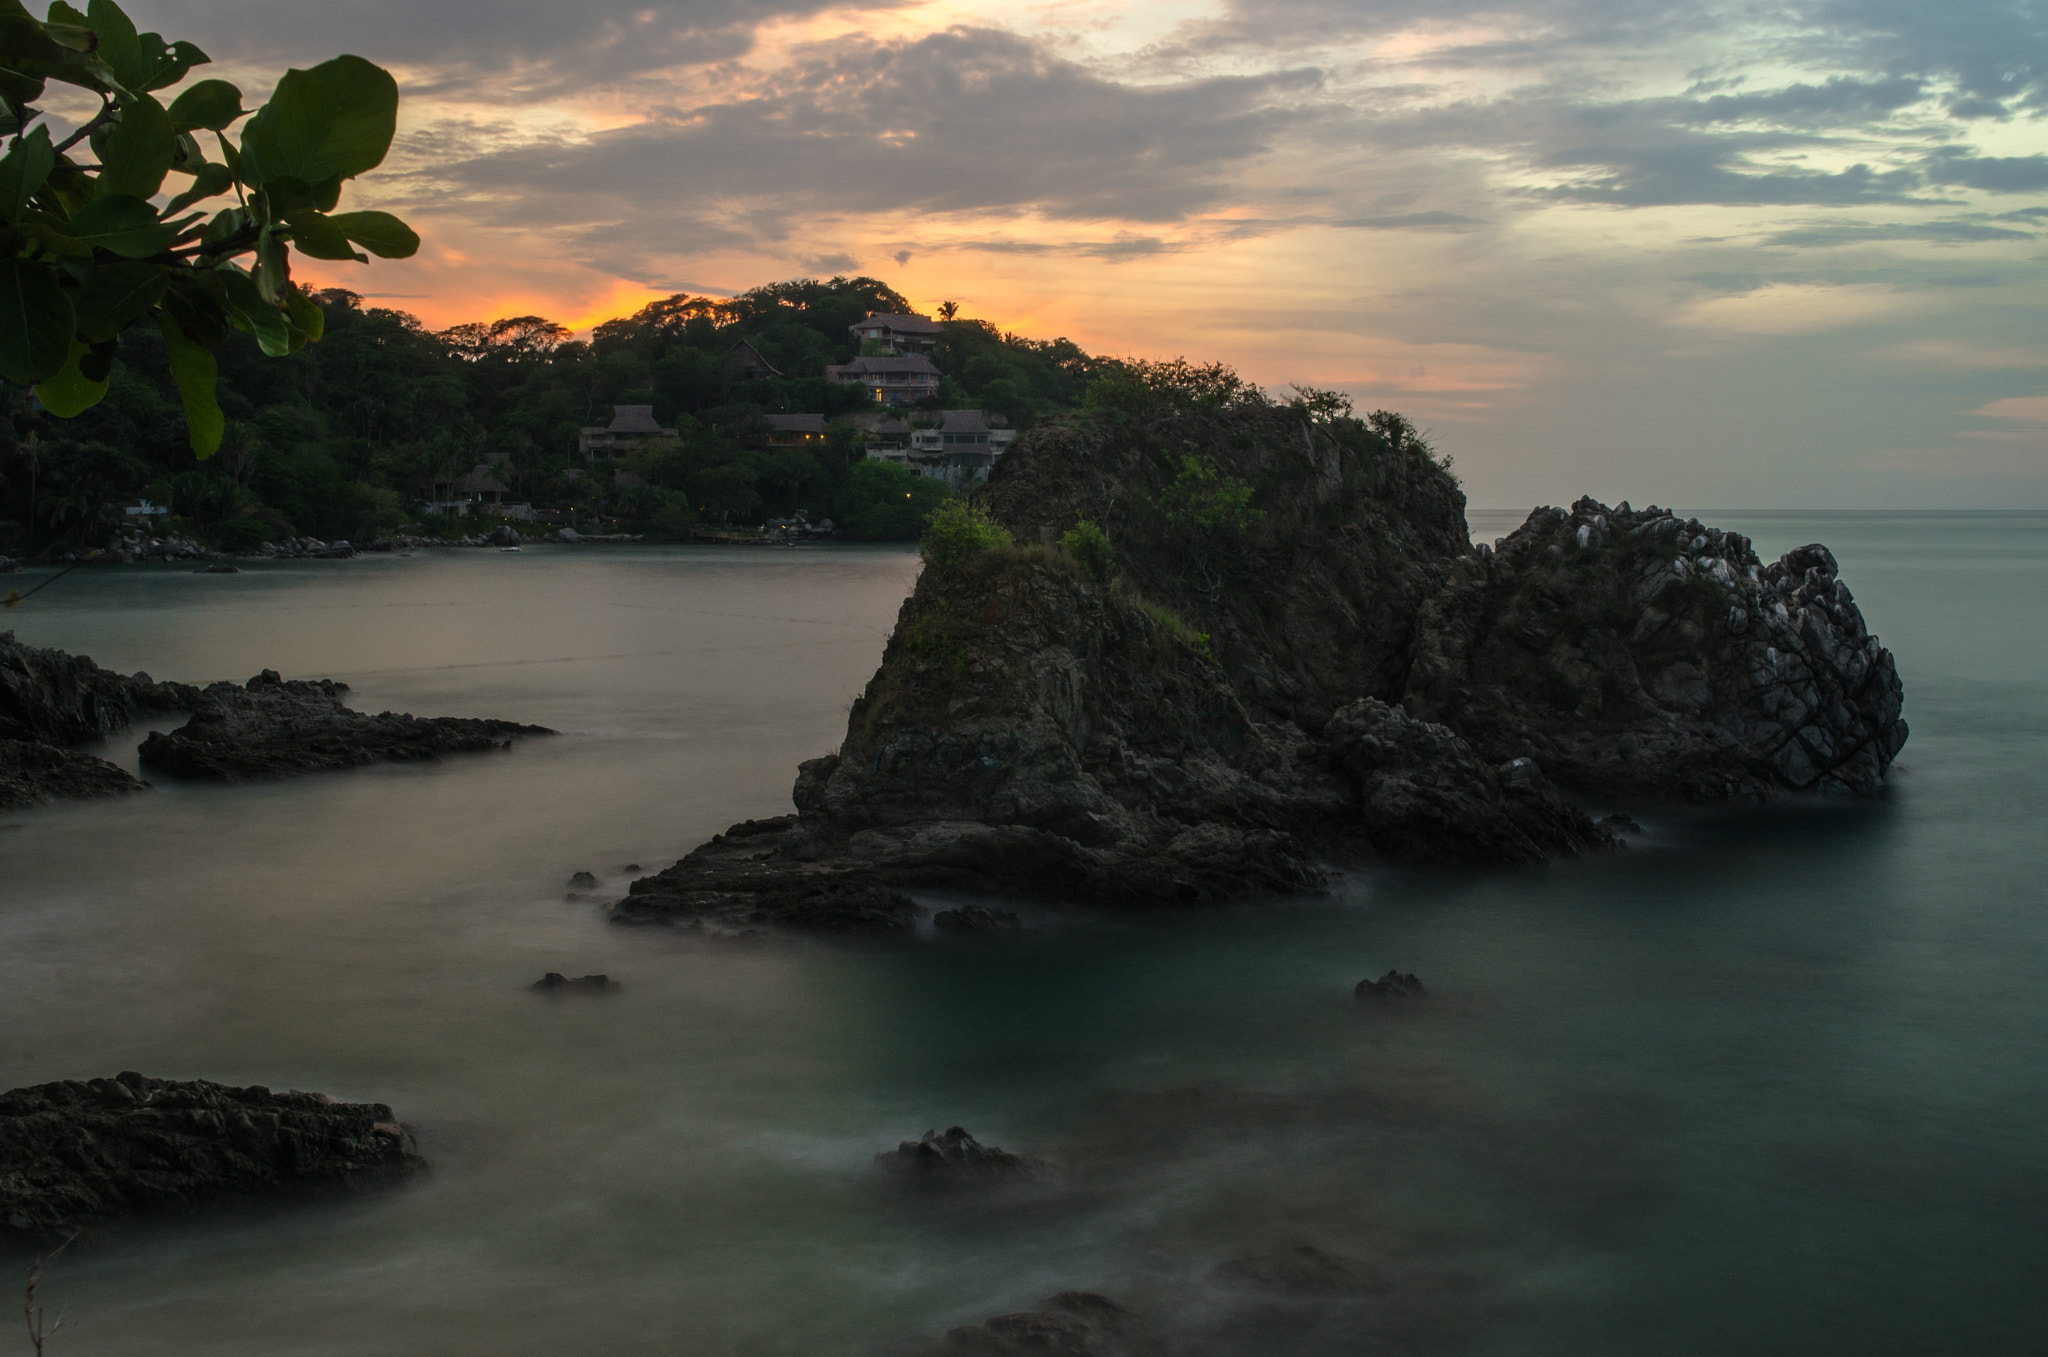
{"type": "Point", "coordinates": [582, 881]}
{"type": "Point", "coordinates": [271, 727]}
{"type": "Point", "coordinates": [1303, 1267]}
{"type": "Point", "coordinates": [554, 982]}
{"type": "Point", "coordinates": [1070, 1324]}
{"type": "Point", "coordinates": [268, 727]}
{"type": "Point", "coordinates": [32, 773]}
{"type": "Point", "coordinates": [73, 1153]}
{"type": "Point", "coordinates": [1392, 985]}
{"type": "Point", "coordinates": [953, 1155]}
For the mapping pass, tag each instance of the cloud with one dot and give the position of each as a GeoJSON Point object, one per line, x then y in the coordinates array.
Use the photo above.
{"type": "Point", "coordinates": [503, 50]}
{"type": "Point", "coordinates": [1412, 221]}
{"type": "Point", "coordinates": [1995, 174]}
{"type": "Point", "coordinates": [1829, 233]}
{"type": "Point", "coordinates": [967, 120]}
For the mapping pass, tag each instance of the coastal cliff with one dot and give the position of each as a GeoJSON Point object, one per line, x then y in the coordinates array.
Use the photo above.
{"type": "Point", "coordinates": [1286, 648]}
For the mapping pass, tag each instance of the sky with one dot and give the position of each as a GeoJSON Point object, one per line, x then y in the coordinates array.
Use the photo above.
{"type": "Point", "coordinates": [1745, 253]}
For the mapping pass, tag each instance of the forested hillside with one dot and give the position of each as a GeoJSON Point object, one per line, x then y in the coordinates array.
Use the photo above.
{"type": "Point", "coordinates": [339, 439]}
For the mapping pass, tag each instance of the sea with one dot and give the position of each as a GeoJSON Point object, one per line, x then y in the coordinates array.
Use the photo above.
{"type": "Point", "coordinates": [1769, 1081]}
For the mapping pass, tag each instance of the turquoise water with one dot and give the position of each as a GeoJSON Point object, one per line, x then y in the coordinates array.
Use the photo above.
{"type": "Point", "coordinates": [1771, 1082]}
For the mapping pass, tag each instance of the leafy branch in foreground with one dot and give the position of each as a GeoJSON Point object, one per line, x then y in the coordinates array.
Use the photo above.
{"type": "Point", "coordinates": [86, 251]}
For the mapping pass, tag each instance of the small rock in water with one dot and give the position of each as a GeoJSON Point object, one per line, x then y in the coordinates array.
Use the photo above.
{"type": "Point", "coordinates": [954, 1154]}
{"type": "Point", "coordinates": [582, 881]}
{"type": "Point", "coordinates": [218, 570]}
{"type": "Point", "coordinates": [630, 867]}
{"type": "Point", "coordinates": [976, 919]}
{"type": "Point", "coordinates": [1621, 824]}
{"type": "Point", "coordinates": [1392, 985]}
{"type": "Point", "coordinates": [1303, 1267]}
{"type": "Point", "coordinates": [555, 981]}
{"type": "Point", "coordinates": [1070, 1324]}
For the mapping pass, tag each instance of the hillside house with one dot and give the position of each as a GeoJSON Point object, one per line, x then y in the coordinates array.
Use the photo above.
{"type": "Point", "coordinates": [795, 431]}
{"type": "Point", "coordinates": [961, 447]}
{"type": "Point", "coordinates": [631, 426]}
{"type": "Point", "coordinates": [902, 379]}
{"type": "Point", "coordinates": [477, 492]}
{"type": "Point", "coordinates": [902, 334]}
{"type": "Point", "coordinates": [752, 363]}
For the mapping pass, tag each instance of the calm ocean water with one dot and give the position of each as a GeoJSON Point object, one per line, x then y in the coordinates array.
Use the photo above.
{"type": "Point", "coordinates": [1770, 1082]}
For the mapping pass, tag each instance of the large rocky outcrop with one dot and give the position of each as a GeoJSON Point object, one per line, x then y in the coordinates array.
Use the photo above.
{"type": "Point", "coordinates": [1630, 652]}
{"type": "Point", "coordinates": [1336, 670]}
{"type": "Point", "coordinates": [272, 727]}
{"type": "Point", "coordinates": [72, 1153]}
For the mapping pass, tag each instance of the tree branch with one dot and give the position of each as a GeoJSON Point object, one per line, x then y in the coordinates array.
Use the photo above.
{"type": "Point", "coordinates": [105, 114]}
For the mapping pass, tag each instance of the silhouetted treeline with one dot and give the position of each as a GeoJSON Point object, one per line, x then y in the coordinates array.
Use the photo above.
{"type": "Point", "coordinates": [340, 439]}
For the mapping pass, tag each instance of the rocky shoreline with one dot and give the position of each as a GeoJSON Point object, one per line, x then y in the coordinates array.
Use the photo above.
{"type": "Point", "coordinates": [1347, 674]}
{"type": "Point", "coordinates": [266, 728]}
{"type": "Point", "coordinates": [78, 1153]}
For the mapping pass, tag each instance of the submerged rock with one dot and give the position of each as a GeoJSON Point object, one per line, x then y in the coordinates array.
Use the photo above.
{"type": "Point", "coordinates": [976, 919]}
{"type": "Point", "coordinates": [955, 1154]}
{"type": "Point", "coordinates": [1070, 1324]}
{"type": "Point", "coordinates": [582, 881]}
{"type": "Point", "coordinates": [72, 1153]}
{"type": "Point", "coordinates": [554, 982]}
{"type": "Point", "coordinates": [1392, 985]}
{"type": "Point", "coordinates": [1303, 1267]}
{"type": "Point", "coordinates": [32, 774]}
{"type": "Point", "coordinates": [271, 727]}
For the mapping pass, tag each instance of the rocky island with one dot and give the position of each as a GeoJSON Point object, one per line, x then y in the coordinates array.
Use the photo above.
{"type": "Point", "coordinates": [76, 1152]}
{"type": "Point", "coordinates": [1191, 645]}
{"type": "Point", "coordinates": [266, 728]}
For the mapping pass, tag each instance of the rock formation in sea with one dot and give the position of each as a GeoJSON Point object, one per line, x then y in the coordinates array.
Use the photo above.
{"type": "Point", "coordinates": [73, 1153]}
{"type": "Point", "coordinates": [1289, 648]}
{"type": "Point", "coordinates": [271, 727]}
{"type": "Point", "coordinates": [268, 727]}
{"type": "Point", "coordinates": [1070, 1324]}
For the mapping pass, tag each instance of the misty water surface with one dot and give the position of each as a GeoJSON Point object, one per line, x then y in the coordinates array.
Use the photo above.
{"type": "Point", "coordinates": [1765, 1083]}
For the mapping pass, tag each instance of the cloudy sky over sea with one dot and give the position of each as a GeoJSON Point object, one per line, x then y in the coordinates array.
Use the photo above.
{"type": "Point", "coordinates": [1722, 252]}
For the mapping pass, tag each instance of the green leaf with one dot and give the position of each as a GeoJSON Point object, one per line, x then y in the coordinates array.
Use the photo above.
{"type": "Point", "coordinates": [193, 369]}
{"type": "Point", "coordinates": [273, 264]}
{"type": "Point", "coordinates": [207, 181]}
{"type": "Point", "coordinates": [24, 169]}
{"type": "Point", "coordinates": [378, 232]}
{"type": "Point", "coordinates": [116, 296]}
{"type": "Point", "coordinates": [334, 121]}
{"type": "Point", "coordinates": [211, 104]}
{"type": "Point", "coordinates": [122, 225]}
{"type": "Point", "coordinates": [305, 313]}
{"type": "Point", "coordinates": [119, 46]}
{"type": "Point", "coordinates": [167, 63]}
{"type": "Point", "coordinates": [261, 318]}
{"type": "Point", "coordinates": [36, 321]}
{"type": "Point", "coordinates": [71, 392]}
{"type": "Point", "coordinates": [137, 154]}
{"type": "Point", "coordinates": [63, 15]}
{"type": "Point", "coordinates": [319, 237]}
{"type": "Point", "coordinates": [198, 302]}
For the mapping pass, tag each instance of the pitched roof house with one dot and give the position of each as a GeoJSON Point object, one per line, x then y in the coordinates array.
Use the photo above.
{"type": "Point", "coordinates": [896, 380]}
{"type": "Point", "coordinates": [631, 425]}
{"type": "Point", "coordinates": [795, 431]}
{"type": "Point", "coordinates": [752, 363]}
{"type": "Point", "coordinates": [903, 334]}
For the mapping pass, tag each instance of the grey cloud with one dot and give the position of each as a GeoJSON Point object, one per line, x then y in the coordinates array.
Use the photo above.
{"type": "Point", "coordinates": [1825, 234]}
{"type": "Point", "coordinates": [1413, 221]}
{"type": "Point", "coordinates": [505, 49]}
{"type": "Point", "coordinates": [1995, 174]}
{"type": "Point", "coordinates": [1838, 100]}
{"type": "Point", "coordinates": [961, 120]}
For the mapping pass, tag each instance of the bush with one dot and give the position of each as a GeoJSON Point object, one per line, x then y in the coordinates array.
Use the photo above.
{"type": "Point", "coordinates": [1087, 543]}
{"type": "Point", "coordinates": [242, 534]}
{"type": "Point", "coordinates": [882, 501]}
{"type": "Point", "coordinates": [956, 531]}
